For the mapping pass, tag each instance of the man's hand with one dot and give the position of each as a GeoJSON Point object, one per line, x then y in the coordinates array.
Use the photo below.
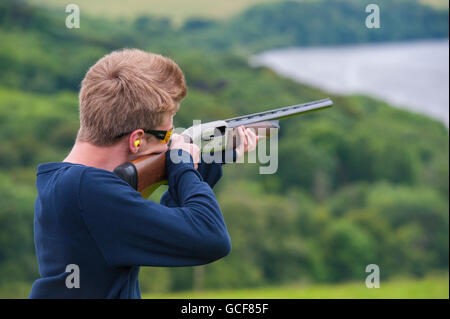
{"type": "Point", "coordinates": [247, 141]}
{"type": "Point", "coordinates": [178, 142]}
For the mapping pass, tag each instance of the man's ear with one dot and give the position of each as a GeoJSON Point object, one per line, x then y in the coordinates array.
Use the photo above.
{"type": "Point", "coordinates": [135, 140]}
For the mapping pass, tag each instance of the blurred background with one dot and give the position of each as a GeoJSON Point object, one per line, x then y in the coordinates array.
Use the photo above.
{"type": "Point", "coordinates": [365, 182]}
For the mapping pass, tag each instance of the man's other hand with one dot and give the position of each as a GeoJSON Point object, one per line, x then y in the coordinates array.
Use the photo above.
{"type": "Point", "coordinates": [178, 142]}
{"type": "Point", "coordinates": [247, 141]}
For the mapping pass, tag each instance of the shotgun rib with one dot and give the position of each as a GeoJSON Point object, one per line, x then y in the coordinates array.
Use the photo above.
{"type": "Point", "coordinates": [278, 114]}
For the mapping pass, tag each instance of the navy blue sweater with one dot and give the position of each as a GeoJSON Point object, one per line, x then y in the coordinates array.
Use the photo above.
{"type": "Point", "coordinates": [91, 218]}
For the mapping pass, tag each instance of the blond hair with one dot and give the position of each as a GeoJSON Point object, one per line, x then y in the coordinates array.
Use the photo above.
{"type": "Point", "coordinates": [128, 90]}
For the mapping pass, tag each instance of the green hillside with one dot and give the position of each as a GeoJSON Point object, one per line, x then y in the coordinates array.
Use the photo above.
{"type": "Point", "coordinates": [317, 23]}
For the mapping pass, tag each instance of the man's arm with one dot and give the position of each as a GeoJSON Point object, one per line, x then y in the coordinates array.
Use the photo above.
{"type": "Point", "coordinates": [210, 172]}
{"type": "Point", "coordinates": [130, 230]}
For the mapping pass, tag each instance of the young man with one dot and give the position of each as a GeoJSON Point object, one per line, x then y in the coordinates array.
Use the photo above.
{"type": "Point", "coordinates": [93, 230]}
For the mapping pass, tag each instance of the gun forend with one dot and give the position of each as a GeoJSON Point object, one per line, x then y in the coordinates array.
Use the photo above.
{"type": "Point", "coordinates": [217, 136]}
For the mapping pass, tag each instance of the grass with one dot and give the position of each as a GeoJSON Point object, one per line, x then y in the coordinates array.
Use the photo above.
{"type": "Point", "coordinates": [178, 10]}
{"type": "Point", "coordinates": [430, 287]}
{"type": "Point", "coordinates": [15, 290]}
{"type": "Point", "coordinates": [437, 4]}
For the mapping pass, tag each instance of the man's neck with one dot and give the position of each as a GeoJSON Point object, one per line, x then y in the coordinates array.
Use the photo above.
{"type": "Point", "coordinates": [107, 157]}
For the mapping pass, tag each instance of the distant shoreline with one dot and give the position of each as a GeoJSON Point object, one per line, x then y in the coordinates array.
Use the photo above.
{"type": "Point", "coordinates": [413, 75]}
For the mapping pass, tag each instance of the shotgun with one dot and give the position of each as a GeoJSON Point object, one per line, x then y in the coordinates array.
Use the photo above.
{"type": "Point", "coordinates": [145, 174]}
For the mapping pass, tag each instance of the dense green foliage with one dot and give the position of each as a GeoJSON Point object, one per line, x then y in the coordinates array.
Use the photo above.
{"type": "Point", "coordinates": [307, 23]}
{"type": "Point", "coordinates": [333, 22]}
{"type": "Point", "coordinates": [357, 184]}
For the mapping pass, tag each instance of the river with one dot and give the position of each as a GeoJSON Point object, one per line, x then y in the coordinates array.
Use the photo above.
{"type": "Point", "coordinates": [411, 75]}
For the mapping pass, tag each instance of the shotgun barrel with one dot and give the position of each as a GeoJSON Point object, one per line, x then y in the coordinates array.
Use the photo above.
{"type": "Point", "coordinates": [278, 114]}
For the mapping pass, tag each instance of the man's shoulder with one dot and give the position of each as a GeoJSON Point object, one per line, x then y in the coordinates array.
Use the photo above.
{"type": "Point", "coordinates": [58, 175]}
{"type": "Point", "coordinates": [97, 175]}
{"type": "Point", "coordinates": [100, 183]}
{"type": "Point", "coordinates": [68, 175]}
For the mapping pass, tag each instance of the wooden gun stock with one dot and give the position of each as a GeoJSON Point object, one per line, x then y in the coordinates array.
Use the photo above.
{"type": "Point", "coordinates": [145, 174]}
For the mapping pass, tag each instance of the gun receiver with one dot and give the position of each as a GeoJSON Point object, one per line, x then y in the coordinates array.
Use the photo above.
{"type": "Point", "coordinates": [147, 173]}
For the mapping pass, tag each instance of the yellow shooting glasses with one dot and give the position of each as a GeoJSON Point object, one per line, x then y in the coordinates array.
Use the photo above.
{"type": "Point", "coordinates": [163, 136]}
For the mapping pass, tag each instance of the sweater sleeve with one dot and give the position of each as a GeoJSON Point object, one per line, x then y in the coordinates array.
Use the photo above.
{"type": "Point", "coordinates": [211, 173]}
{"type": "Point", "coordinates": [130, 230]}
